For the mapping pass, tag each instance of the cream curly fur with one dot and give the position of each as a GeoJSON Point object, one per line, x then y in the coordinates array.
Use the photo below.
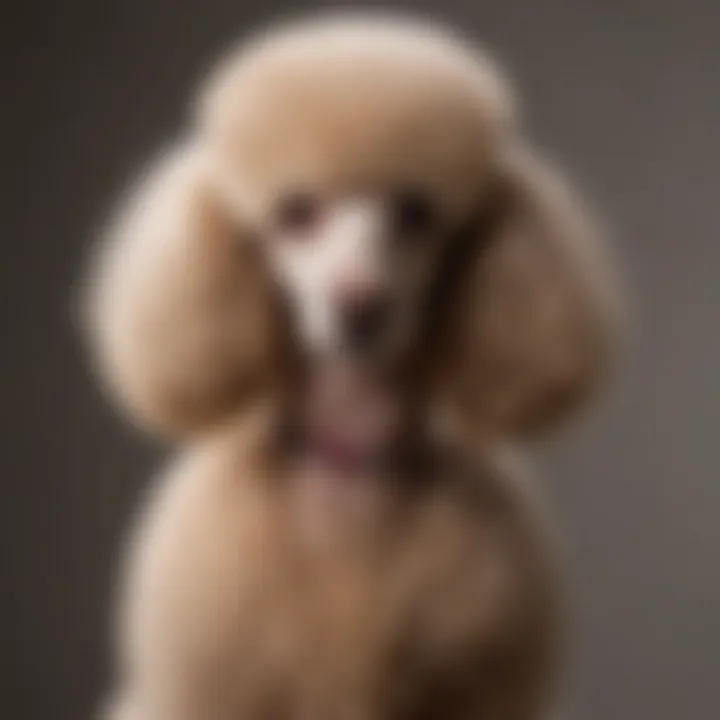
{"type": "Point", "coordinates": [440, 602]}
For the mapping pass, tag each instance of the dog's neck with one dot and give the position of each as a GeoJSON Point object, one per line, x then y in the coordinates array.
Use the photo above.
{"type": "Point", "coordinates": [349, 419]}
{"type": "Point", "coordinates": [350, 443]}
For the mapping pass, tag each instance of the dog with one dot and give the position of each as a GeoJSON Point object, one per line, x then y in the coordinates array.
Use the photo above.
{"type": "Point", "coordinates": [346, 293]}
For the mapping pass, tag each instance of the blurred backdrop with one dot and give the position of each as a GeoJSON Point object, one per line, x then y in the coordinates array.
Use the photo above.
{"type": "Point", "coordinates": [625, 93]}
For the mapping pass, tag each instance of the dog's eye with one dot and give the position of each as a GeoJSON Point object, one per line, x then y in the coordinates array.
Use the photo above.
{"type": "Point", "coordinates": [412, 212]}
{"type": "Point", "coordinates": [297, 212]}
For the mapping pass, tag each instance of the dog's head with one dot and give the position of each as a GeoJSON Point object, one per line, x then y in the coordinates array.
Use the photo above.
{"type": "Point", "coordinates": [355, 190]}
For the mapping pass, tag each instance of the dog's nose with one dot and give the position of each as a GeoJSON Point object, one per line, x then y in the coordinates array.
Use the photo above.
{"type": "Point", "coordinates": [363, 319]}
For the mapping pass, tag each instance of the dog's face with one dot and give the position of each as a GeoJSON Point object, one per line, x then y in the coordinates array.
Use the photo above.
{"type": "Point", "coordinates": [356, 162]}
{"type": "Point", "coordinates": [355, 268]}
{"type": "Point", "coordinates": [339, 162]}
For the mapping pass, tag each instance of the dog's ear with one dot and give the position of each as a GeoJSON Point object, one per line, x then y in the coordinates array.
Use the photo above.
{"type": "Point", "coordinates": [525, 333]}
{"type": "Point", "coordinates": [180, 309]}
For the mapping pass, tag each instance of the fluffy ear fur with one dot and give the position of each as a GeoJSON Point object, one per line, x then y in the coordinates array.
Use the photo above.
{"type": "Point", "coordinates": [529, 320]}
{"type": "Point", "coordinates": [180, 306]}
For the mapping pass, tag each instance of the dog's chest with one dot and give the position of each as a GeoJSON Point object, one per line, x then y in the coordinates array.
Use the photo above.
{"type": "Point", "coordinates": [344, 616]}
{"type": "Point", "coordinates": [253, 614]}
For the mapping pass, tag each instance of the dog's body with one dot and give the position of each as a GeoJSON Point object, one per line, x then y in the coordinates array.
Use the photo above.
{"type": "Point", "coordinates": [434, 600]}
{"type": "Point", "coordinates": [354, 243]}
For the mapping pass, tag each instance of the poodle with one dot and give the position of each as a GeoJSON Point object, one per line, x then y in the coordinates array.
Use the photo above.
{"type": "Point", "coordinates": [346, 293]}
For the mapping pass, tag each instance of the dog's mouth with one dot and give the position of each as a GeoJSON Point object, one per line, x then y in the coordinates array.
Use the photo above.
{"type": "Point", "coordinates": [350, 416]}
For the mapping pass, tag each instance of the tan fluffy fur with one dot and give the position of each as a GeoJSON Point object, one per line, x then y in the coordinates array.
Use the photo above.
{"type": "Point", "coordinates": [440, 604]}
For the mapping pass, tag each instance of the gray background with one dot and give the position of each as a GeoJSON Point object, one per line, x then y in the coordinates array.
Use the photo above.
{"type": "Point", "coordinates": [626, 93]}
